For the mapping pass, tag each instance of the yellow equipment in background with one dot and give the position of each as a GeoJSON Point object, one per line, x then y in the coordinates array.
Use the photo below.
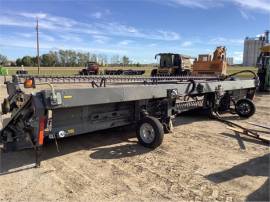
{"type": "Point", "coordinates": [206, 65]}
{"type": "Point", "coordinates": [172, 64]}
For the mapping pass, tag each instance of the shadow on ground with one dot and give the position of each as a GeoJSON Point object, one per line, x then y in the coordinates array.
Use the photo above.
{"type": "Point", "coordinates": [98, 140]}
{"type": "Point", "coordinates": [255, 167]}
{"type": "Point", "coordinates": [117, 152]}
{"type": "Point", "coordinates": [242, 138]}
{"type": "Point", "coordinates": [18, 160]}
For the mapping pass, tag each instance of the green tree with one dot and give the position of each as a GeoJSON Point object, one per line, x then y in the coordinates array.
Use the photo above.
{"type": "Point", "coordinates": [19, 62]}
{"type": "Point", "coordinates": [27, 61]}
{"type": "Point", "coordinates": [115, 60]}
{"type": "Point", "coordinates": [82, 59]}
{"type": "Point", "coordinates": [72, 58]}
{"type": "Point", "coordinates": [63, 58]}
{"type": "Point", "coordinates": [48, 60]}
{"type": "Point", "coordinates": [3, 60]}
{"type": "Point", "coordinates": [125, 60]}
{"type": "Point", "coordinates": [35, 61]}
{"type": "Point", "coordinates": [93, 58]}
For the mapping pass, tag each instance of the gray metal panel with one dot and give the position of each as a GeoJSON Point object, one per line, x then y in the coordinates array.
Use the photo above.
{"type": "Point", "coordinates": [103, 95]}
{"type": "Point", "coordinates": [78, 120]}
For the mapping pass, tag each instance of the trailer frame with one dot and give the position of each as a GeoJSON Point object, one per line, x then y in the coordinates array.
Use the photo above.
{"type": "Point", "coordinates": [60, 113]}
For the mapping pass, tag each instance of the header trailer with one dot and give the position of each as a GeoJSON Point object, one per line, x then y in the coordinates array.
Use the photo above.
{"type": "Point", "coordinates": [150, 105]}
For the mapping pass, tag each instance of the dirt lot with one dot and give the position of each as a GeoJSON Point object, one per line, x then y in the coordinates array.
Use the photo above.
{"type": "Point", "coordinates": [201, 161]}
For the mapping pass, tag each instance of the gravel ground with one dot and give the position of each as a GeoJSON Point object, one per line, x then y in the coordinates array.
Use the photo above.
{"type": "Point", "coordinates": [201, 160]}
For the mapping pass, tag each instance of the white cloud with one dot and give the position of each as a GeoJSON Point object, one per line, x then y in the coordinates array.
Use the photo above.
{"type": "Point", "coordinates": [62, 25]}
{"type": "Point", "coordinates": [46, 37]}
{"type": "Point", "coordinates": [15, 42]}
{"type": "Point", "coordinates": [238, 57]}
{"type": "Point", "coordinates": [33, 15]}
{"type": "Point", "coordinates": [97, 15]}
{"type": "Point", "coordinates": [26, 35]}
{"type": "Point", "coordinates": [186, 44]}
{"type": "Point", "coordinates": [244, 15]}
{"type": "Point", "coordinates": [101, 39]}
{"type": "Point", "coordinates": [167, 35]}
{"type": "Point", "coordinates": [225, 41]}
{"type": "Point", "coordinates": [43, 36]}
{"type": "Point", "coordinates": [263, 5]}
{"type": "Point", "coordinates": [101, 14]}
{"type": "Point", "coordinates": [70, 37]}
{"type": "Point", "coordinates": [12, 21]}
{"type": "Point", "coordinates": [204, 4]}
{"type": "Point", "coordinates": [152, 45]}
{"type": "Point", "coordinates": [125, 42]}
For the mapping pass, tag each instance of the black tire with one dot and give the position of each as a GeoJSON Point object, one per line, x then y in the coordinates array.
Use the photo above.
{"type": "Point", "coordinates": [224, 103]}
{"type": "Point", "coordinates": [178, 72]}
{"type": "Point", "coordinates": [245, 108]}
{"type": "Point", "coordinates": [119, 72]}
{"type": "Point", "coordinates": [157, 136]}
{"type": "Point", "coordinates": [5, 106]}
{"type": "Point", "coordinates": [154, 72]}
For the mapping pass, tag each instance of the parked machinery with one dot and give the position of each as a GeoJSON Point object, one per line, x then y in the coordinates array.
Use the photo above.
{"type": "Point", "coordinates": [172, 64]}
{"type": "Point", "coordinates": [92, 68]}
{"type": "Point", "coordinates": [263, 65]}
{"type": "Point", "coordinates": [206, 65]}
{"type": "Point", "coordinates": [149, 103]}
{"type": "Point", "coordinates": [22, 71]}
{"type": "Point", "coordinates": [123, 72]}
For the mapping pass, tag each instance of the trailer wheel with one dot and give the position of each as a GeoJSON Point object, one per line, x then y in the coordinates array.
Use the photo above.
{"type": "Point", "coordinates": [245, 108]}
{"type": "Point", "coordinates": [150, 132]}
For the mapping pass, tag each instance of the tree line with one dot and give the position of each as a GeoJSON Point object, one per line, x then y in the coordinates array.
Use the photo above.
{"type": "Point", "coordinates": [68, 58]}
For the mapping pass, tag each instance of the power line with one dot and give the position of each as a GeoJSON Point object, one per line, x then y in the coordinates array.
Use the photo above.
{"type": "Point", "coordinates": [38, 61]}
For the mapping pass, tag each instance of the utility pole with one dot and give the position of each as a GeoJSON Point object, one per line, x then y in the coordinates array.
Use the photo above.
{"type": "Point", "coordinates": [38, 61]}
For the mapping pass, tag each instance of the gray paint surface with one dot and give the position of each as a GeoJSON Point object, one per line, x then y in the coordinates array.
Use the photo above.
{"type": "Point", "coordinates": [112, 94]}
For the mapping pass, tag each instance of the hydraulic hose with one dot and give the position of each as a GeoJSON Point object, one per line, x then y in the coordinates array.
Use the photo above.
{"type": "Point", "coordinates": [240, 72]}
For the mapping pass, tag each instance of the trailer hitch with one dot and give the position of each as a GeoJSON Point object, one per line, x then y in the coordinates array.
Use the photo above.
{"type": "Point", "coordinates": [233, 126]}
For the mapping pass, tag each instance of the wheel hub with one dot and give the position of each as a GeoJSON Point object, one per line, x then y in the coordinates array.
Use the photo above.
{"type": "Point", "coordinates": [147, 133]}
{"type": "Point", "coordinates": [244, 108]}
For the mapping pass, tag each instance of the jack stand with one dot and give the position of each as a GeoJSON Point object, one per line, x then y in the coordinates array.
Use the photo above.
{"type": "Point", "coordinates": [38, 152]}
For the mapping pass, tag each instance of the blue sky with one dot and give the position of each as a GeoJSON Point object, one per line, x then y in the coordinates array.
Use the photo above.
{"type": "Point", "coordinates": [136, 28]}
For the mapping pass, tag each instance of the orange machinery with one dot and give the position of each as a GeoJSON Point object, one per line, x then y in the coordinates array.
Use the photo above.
{"type": "Point", "coordinates": [206, 65]}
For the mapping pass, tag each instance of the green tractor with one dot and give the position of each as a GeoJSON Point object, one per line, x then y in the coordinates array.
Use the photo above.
{"type": "Point", "coordinates": [263, 64]}
{"type": "Point", "coordinates": [3, 71]}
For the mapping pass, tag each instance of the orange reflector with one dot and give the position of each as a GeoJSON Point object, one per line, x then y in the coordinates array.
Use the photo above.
{"type": "Point", "coordinates": [41, 130]}
{"type": "Point", "coordinates": [28, 83]}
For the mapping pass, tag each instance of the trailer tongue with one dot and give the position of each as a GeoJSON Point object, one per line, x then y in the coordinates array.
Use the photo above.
{"type": "Point", "coordinates": [149, 103]}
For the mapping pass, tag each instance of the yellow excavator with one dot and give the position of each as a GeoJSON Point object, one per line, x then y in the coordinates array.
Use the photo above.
{"type": "Point", "coordinates": [206, 65]}
{"type": "Point", "coordinates": [172, 64]}
{"type": "Point", "coordinates": [263, 65]}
